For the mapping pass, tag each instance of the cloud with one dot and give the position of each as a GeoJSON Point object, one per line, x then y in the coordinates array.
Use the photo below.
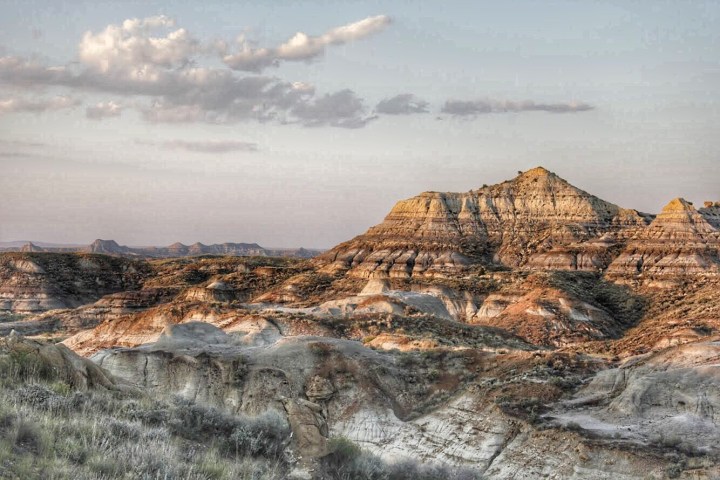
{"type": "Point", "coordinates": [20, 104]}
{"type": "Point", "coordinates": [132, 45]}
{"type": "Point", "coordinates": [479, 107]}
{"type": "Point", "coordinates": [229, 99]}
{"type": "Point", "coordinates": [23, 72]}
{"type": "Point", "coordinates": [152, 59]}
{"type": "Point", "coordinates": [403, 104]}
{"type": "Point", "coordinates": [341, 109]}
{"type": "Point", "coordinates": [189, 94]}
{"type": "Point", "coordinates": [103, 110]}
{"type": "Point", "coordinates": [301, 46]}
{"type": "Point", "coordinates": [208, 146]}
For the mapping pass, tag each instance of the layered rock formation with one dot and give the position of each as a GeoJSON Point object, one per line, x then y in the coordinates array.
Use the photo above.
{"type": "Point", "coordinates": [711, 213]}
{"type": "Point", "coordinates": [670, 400]}
{"type": "Point", "coordinates": [518, 329]}
{"type": "Point", "coordinates": [399, 409]}
{"type": "Point", "coordinates": [111, 247]}
{"type": "Point", "coordinates": [31, 247]}
{"type": "Point", "coordinates": [217, 291]}
{"type": "Point", "coordinates": [512, 224]}
{"type": "Point", "coordinates": [679, 242]}
{"type": "Point", "coordinates": [33, 282]}
{"type": "Point", "coordinates": [180, 250]}
{"type": "Point", "coordinates": [108, 247]}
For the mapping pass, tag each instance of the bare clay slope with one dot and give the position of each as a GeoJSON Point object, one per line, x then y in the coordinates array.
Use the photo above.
{"type": "Point", "coordinates": [466, 407]}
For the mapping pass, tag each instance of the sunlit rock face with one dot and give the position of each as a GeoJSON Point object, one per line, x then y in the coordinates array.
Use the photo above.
{"type": "Point", "coordinates": [680, 241]}
{"type": "Point", "coordinates": [517, 329]}
{"type": "Point", "coordinates": [537, 219]}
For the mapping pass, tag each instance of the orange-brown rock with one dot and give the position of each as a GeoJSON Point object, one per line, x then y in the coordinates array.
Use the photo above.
{"type": "Point", "coordinates": [680, 241]}
{"type": "Point", "coordinates": [509, 224]}
{"type": "Point", "coordinates": [34, 282]}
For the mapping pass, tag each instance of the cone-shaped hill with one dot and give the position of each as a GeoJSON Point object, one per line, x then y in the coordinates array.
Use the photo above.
{"type": "Point", "coordinates": [508, 224]}
{"type": "Point", "coordinates": [679, 241]}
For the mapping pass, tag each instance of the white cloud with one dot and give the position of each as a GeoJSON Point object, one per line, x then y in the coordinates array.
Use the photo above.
{"type": "Point", "coordinates": [302, 46]}
{"type": "Point", "coordinates": [134, 60]}
{"type": "Point", "coordinates": [104, 110]}
{"type": "Point", "coordinates": [20, 104]}
{"type": "Point", "coordinates": [132, 46]}
{"type": "Point", "coordinates": [24, 72]}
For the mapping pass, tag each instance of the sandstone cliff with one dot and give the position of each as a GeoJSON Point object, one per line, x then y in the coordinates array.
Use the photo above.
{"type": "Point", "coordinates": [512, 224]}
{"type": "Point", "coordinates": [679, 242]}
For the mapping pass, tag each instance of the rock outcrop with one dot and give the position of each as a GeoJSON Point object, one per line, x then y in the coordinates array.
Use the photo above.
{"type": "Point", "coordinates": [536, 213]}
{"type": "Point", "coordinates": [679, 242]}
{"type": "Point", "coordinates": [330, 387]}
{"type": "Point", "coordinates": [670, 399]}
{"type": "Point", "coordinates": [111, 247]}
{"type": "Point", "coordinates": [711, 213]}
{"type": "Point", "coordinates": [216, 291]}
{"type": "Point", "coordinates": [33, 358]}
{"type": "Point", "coordinates": [31, 247]}
{"type": "Point", "coordinates": [108, 247]}
{"type": "Point", "coordinates": [35, 282]}
{"type": "Point", "coordinates": [551, 317]}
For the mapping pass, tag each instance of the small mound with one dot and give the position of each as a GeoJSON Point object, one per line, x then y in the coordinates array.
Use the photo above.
{"type": "Point", "coordinates": [191, 335]}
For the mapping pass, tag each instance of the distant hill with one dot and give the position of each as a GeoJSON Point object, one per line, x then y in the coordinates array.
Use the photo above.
{"type": "Point", "coordinates": [111, 247]}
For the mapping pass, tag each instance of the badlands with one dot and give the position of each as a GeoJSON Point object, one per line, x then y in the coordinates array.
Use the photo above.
{"type": "Point", "coordinates": [521, 330]}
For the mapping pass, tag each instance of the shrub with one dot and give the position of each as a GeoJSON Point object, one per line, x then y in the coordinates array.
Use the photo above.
{"type": "Point", "coordinates": [406, 360]}
{"type": "Point", "coordinates": [348, 462]}
{"type": "Point", "coordinates": [197, 422]}
{"type": "Point", "coordinates": [61, 388]}
{"type": "Point", "coordinates": [266, 435]}
{"type": "Point", "coordinates": [411, 470]}
{"type": "Point", "coordinates": [37, 395]}
{"type": "Point", "coordinates": [25, 365]}
{"type": "Point", "coordinates": [122, 430]}
{"type": "Point", "coordinates": [321, 349]}
{"type": "Point", "coordinates": [28, 436]}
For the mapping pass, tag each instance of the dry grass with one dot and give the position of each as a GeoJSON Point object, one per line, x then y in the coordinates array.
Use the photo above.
{"type": "Point", "coordinates": [49, 430]}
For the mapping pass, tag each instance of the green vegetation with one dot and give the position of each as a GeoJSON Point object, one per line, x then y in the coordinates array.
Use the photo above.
{"type": "Point", "coordinates": [348, 462]}
{"type": "Point", "coordinates": [49, 429]}
{"type": "Point", "coordinates": [11, 317]}
{"type": "Point", "coordinates": [622, 304]}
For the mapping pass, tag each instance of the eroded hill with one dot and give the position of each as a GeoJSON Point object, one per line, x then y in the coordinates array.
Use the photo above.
{"type": "Point", "coordinates": [523, 330]}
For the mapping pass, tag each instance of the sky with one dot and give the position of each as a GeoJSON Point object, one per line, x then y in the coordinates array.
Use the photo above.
{"type": "Point", "coordinates": [301, 123]}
